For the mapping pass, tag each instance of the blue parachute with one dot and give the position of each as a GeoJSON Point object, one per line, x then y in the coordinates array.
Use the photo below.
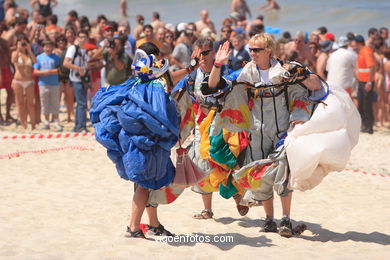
{"type": "Point", "coordinates": [138, 125]}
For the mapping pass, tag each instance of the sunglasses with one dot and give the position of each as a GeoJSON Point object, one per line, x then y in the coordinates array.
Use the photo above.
{"type": "Point", "coordinates": [205, 53]}
{"type": "Point", "coordinates": [229, 31]}
{"type": "Point", "coordinates": [61, 41]}
{"type": "Point", "coordinates": [256, 50]}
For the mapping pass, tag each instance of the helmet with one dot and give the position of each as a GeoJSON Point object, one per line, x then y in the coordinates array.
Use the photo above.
{"type": "Point", "coordinates": [147, 67]}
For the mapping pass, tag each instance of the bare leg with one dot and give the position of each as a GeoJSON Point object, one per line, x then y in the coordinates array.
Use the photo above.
{"type": "Point", "coordinates": [152, 214]}
{"type": "Point", "coordinates": [20, 105]}
{"type": "Point", "coordinates": [1, 116]}
{"type": "Point", "coordinates": [30, 96]}
{"type": "Point", "coordinates": [269, 208]}
{"type": "Point", "coordinates": [37, 107]}
{"type": "Point", "coordinates": [207, 200]}
{"type": "Point", "coordinates": [69, 100]}
{"type": "Point", "coordinates": [207, 213]}
{"type": "Point", "coordinates": [140, 199]}
{"type": "Point", "coordinates": [10, 100]}
{"type": "Point", "coordinates": [286, 204]}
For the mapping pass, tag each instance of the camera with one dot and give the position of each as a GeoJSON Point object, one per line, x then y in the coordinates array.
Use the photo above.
{"type": "Point", "coordinates": [24, 44]}
{"type": "Point", "coordinates": [39, 26]}
{"type": "Point", "coordinates": [111, 44]}
{"type": "Point", "coordinates": [86, 78]}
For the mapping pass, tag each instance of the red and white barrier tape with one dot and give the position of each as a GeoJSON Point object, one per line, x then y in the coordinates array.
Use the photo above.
{"type": "Point", "coordinates": [368, 173]}
{"type": "Point", "coordinates": [69, 147]}
{"type": "Point", "coordinates": [46, 136]}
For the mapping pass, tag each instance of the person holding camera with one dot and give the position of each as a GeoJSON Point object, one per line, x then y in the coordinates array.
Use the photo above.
{"type": "Point", "coordinates": [76, 59]}
{"type": "Point", "coordinates": [117, 62]}
{"type": "Point", "coordinates": [46, 69]}
{"type": "Point", "coordinates": [23, 82]}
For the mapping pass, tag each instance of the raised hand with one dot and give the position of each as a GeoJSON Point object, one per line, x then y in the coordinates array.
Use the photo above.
{"type": "Point", "coordinates": [196, 55]}
{"type": "Point", "coordinates": [223, 54]}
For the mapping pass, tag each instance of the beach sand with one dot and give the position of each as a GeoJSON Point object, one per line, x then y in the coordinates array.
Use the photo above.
{"type": "Point", "coordinates": [71, 204]}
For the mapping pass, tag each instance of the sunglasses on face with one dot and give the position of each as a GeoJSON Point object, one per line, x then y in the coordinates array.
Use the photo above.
{"type": "Point", "coordinates": [229, 31]}
{"type": "Point", "coordinates": [205, 53]}
{"type": "Point", "coordinates": [256, 50]}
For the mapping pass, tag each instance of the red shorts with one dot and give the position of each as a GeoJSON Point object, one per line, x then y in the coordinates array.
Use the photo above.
{"type": "Point", "coordinates": [6, 75]}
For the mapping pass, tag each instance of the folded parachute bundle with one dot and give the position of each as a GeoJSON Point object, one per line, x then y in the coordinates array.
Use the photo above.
{"type": "Point", "coordinates": [187, 173]}
{"type": "Point", "coordinates": [138, 124]}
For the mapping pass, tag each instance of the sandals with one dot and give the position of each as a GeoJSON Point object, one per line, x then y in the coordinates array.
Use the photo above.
{"type": "Point", "coordinates": [135, 234]}
{"type": "Point", "coordinates": [205, 214]}
{"type": "Point", "coordinates": [242, 210]}
{"type": "Point", "coordinates": [159, 231]}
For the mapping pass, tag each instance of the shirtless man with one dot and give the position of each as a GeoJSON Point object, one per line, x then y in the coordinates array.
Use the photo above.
{"type": "Point", "coordinates": [140, 25]}
{"type": "Point", "coordinates": [270, 5]}
{"type": "Point", "coordinates": [18, 29]}
{"type": "Point", "coordinates": [12, 10]}
{"type": "Point", "coordinates": [298, 50]}
{"type": "Point", "coordinates": [123, 8]}
{"type": "Point", "coordinates": [44, 7]}
{"type": "Point", "coordinates": [5, 75]}
{"type": "Point", "coordinates": [240, 7]}
{"type": "Point", "coordinates": [156, 22]}
{"type": "Point", "coordinates": [205, 22]}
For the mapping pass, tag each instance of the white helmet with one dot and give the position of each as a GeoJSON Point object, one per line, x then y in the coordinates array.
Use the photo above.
{"type": "Point", "coordinates": [145, 66]}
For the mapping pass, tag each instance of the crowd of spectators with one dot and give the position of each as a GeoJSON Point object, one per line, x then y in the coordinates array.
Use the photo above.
{"type": "Point", "coordinates": [44, 65]}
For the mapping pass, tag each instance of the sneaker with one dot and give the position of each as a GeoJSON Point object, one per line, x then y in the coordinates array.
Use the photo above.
{"type": "Point", "coordinates": [285, 229]}
{"type": "Point", "coordinates": [81, 130]}
{"type": "Point", "coordinates": [46, 127]}
{"type": "Point", "coordinates": [159, 231]}
{"type": "Point", "coordinates": [269, 226]}
{"type": "Point", "coordinates": [58, 128]}
{"type": "Point", "coordinates": [134, 234]}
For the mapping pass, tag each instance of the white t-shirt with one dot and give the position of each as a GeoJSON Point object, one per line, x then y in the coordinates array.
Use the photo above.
{"type": "Point", "coordinates": [340, 66]}
{"type": "Point", "coordinates": [264, 76]}
{"type": "Point", "coordinates": [80, 60]}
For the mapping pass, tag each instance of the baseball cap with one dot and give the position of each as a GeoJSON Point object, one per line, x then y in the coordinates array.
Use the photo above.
{"type": "Point", "coordinates": [107, 27]}
{"type": "Point", "coordinates": [343, 41]}
{"type": "Point", "coordinates": [329, 36]}
{"type": "Point", "coordinates": [359, 38]}
{"type": "Point", "coordinates": [181, 27]}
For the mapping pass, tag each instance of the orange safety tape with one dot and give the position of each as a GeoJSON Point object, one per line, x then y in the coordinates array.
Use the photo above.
{"type": "Point", "coordinates": [46, 136]}
{"type": "Point", "coordinates": [69, 147]}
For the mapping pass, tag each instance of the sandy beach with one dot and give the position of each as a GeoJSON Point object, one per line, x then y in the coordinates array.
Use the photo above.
{"type": "Point", "coordinates": [67, 202]}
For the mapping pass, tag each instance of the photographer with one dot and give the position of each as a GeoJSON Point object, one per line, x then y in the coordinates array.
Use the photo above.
{"type": "Point", "coordinates": [117, 62]}
{"type": "Point", "coordinates": [76, 59]}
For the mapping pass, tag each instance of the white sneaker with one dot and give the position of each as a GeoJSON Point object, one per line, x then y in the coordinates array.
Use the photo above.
{"type": "Point", "coordinates": [58, 128]}
{"type": "Point", "coordinates": [46, 127]}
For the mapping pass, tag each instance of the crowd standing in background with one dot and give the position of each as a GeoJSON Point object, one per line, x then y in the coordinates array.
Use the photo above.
{"type": "Point", "coordinates": [44, 65]}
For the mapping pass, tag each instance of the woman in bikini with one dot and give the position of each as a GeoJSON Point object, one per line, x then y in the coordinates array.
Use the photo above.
{"type": "Point", "coordinates": [380, 106]}
{"type": "Point", "coordinates": [23, 82]}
